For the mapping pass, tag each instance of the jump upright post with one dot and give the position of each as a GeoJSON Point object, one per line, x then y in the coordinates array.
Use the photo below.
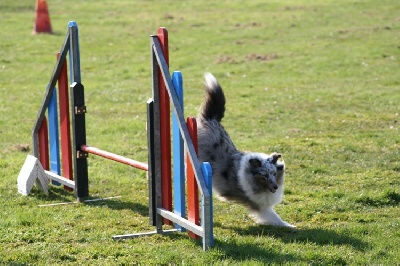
{"type": "Point", "coordinates": [160, 208]}
{"type": "Point", "coordinates": [45, 133]}
{"type": "Point", "coordinates": [50, 160]}
{"type": "Point", "coordinates": [167, 96]}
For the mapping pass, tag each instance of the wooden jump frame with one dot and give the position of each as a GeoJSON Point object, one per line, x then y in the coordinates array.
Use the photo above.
{"type": "Point", "coordinates": [166, 92]}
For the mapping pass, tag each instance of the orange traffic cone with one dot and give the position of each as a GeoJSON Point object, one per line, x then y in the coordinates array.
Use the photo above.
{"type": "Point", "coordinates": [42, 18]}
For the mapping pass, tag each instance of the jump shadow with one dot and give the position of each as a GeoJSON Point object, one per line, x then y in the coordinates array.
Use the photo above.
{"type": "Point", "coordinates": [240, 251]}
{"type": "Point", "coordinates": [59, 194]}
{"type": "Point", "coordinates": [56, 193]}
{"type": "Point", "coordinates": [118, 204]}
{"type": "Point", "coordinates": [13, 263]}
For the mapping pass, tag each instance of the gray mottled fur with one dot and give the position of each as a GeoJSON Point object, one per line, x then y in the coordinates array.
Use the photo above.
{"type": "Point", "coordinates": [255, 180]}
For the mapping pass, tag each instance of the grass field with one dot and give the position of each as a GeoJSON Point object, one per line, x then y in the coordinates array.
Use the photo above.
{"type": "Point", "coordinates": [318, 81]}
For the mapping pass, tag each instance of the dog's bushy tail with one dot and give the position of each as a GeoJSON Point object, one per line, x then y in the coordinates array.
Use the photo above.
{"type": "Point", "coordinates": [213, 106]}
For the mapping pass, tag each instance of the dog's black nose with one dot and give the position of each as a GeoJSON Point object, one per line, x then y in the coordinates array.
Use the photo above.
{"type": "Point", "coordinates": [275, 186]}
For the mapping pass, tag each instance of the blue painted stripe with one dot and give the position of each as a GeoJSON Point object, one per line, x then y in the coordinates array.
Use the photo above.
{"type": "Point", "coordinates": [77, 62]}
{"type": "Point", "coordinates": [178, 154]}
{"type": "Point", "coordinates": [53, 136]}
{"type": "Point", "coordinates": [207, 173]}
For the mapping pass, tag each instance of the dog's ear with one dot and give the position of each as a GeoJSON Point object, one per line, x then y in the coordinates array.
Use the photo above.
{"type": "Point", "coordinates": [255, 163]}
{"type": "Point", "coordinates": [275, 157]}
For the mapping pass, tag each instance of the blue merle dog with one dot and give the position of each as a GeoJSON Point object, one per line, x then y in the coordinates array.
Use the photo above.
{"type": "Point", "coordinates": [253, 179]}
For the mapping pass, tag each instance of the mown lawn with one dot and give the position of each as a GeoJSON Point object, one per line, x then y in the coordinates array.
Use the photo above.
{"type": "Point", "coordinates": [317, 81]}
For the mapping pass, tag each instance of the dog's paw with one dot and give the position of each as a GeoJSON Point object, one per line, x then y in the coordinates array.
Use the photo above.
{"type": "Point", "coordinates": [270, 218]}
{"type": "Point", "coordinates": [222, 198]}
{"type": "Point", "coordinates": [281, 224]}
{"type": "Point", "coordinates": [288, 225]}
{"type": "Point", "coordinates": [275, 156]}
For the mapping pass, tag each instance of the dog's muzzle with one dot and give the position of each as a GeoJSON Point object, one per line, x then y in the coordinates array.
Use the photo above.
{"type": "Point", "coordinates": [272, 185]}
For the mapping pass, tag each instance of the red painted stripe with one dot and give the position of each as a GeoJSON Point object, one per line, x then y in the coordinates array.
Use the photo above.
{"type": "Point", "coordinates": [192, 188]}
{"type": "Point", "coordinates": [115, 157]}
{"type": "Point", "coordinates": [65, 130]}
{"type": "Point", "coordinates": [166, 180]}
{"type": "Point", "coordinates": [44, 145]}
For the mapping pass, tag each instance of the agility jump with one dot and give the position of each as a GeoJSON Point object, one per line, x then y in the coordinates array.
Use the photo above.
{"type": "Point", "coordinates": [167, 92]}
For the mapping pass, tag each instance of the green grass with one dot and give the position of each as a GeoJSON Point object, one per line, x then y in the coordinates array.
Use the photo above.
{"type": "Point", "coordinates": [317, 81]}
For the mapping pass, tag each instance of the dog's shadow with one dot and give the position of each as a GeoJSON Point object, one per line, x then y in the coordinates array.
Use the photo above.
{"type": "Point", "coordinates": [244, 251]}
{"type": "Point", "coordinates": [317, 236]}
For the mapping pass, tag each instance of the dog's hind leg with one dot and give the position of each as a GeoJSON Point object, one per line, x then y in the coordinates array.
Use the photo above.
{"type": "Point", "coordinates": [270, 217]}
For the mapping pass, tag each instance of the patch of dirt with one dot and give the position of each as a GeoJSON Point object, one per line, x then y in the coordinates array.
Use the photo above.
{"type": "Point", "coordinates": [251, 57]}
{"type": "Point", "coordinates": [293, 8]}
{"type": "Point", "coordinates": [294, 131]}
{"type": "Point", "coordinates": [258, 57]}
{"type": "Point", "coordinates": [226, 59]}
{"type": "Point", "coordinates": [168, 16]}
{"type": "Point", "coordinates": [247, 25]}
{"type": "Point", "coordinates": [22, 147]}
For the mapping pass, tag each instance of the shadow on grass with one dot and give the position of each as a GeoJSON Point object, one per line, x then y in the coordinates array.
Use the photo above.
{"type": "Point", "coordinates": [390, 198]}
{"type": "Point", "coordinates": [57, 193]}
{"type": "Point", "coordinates": [252, 252]}
{"type": "Point", "coordinates": [244, 251]}
{"type": "Point", "coordinates": [117, 204]}
{"type": "Point", "coordinates": [239, 251]}
{"type": "Point", "coordinates": [60, 195]}
{"type": "Point", "coordinates": [13, 263]}
{"type": "Point", "coordinates": [316, 235]}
